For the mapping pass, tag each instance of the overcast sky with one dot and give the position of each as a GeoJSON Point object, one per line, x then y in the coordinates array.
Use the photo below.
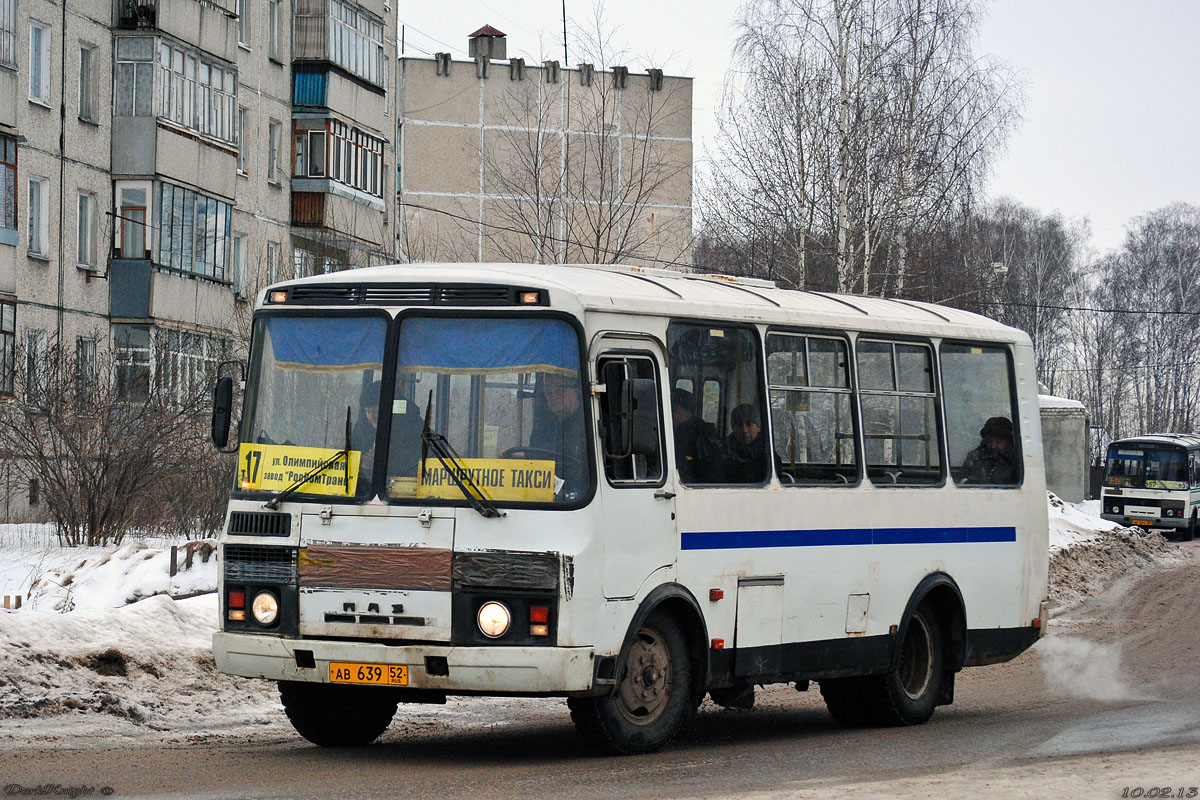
{"type": "Point", "coordinates": [1112, 113]}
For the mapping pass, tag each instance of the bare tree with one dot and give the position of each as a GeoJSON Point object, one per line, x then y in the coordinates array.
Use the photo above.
{"type": "Point", "coordinates": [577, 171]}
{"type": "Point", "coordinates": [108, 454]}
{"type": "Point", "coordinates": [853, 126]}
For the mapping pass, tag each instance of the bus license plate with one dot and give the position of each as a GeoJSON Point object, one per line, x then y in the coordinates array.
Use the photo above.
{"type": "Point", "coordinates": [378, 674]}
{"type": "Point", "coordinates": [1144, 522]}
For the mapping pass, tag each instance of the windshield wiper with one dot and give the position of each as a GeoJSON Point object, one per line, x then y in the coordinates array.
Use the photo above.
{"type": "Point", "coordinates": [274, 502]}
{"type": "Point", "coordinates": [431, 440]}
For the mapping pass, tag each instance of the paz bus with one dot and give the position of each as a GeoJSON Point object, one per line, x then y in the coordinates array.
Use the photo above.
{"type": "Point", "coordinates": [1153, 481]}
{"type": "Point", "coordinates": [626, 487]}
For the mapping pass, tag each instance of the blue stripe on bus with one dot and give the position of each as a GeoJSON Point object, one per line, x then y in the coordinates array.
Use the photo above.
{"type": "Point", "coordinates": [733, 540]}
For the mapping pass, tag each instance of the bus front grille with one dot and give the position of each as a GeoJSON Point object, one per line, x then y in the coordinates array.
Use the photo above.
{"type": "Point", "coordinates": [248, 563]}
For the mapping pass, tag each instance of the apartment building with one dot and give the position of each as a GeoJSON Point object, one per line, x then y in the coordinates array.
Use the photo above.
{"type": "Point", "coordinates": [502, 160]}
{"type": "Point", "coordinates": [161, 160]}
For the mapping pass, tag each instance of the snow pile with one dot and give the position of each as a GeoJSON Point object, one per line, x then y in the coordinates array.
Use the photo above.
{"type": "Point", "coordinates": [130, 573]}
{"type": "Point", "coordinates": [149, 663]}
{"type": "Point", "coordinates": [1088, 552]}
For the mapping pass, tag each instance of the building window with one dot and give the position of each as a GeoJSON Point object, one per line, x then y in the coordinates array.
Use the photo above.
{"type": "Point", "coordinates": [354, 157]}
{"type": "Point", "coordinates": [86, 231]}
{"type": "Point", "coordinates": [243, 12]}
{"type": "Point", "coordinates": [272, 262]}
{"type": "Point", "coordinates": [193, 231]}
{"type": "Point", "coordinates": [242, 142]}
{"type": "Point", "coordinates": [356, 41]}
{"type": "Point", "coordinates": [35, 361]}
{"type": "Point", "coordinates": [8, 183]}
{"type": "Point", "coordinates": [132, 355]}
{"type": "Point", "coordinates": [273, 152]}
{"type": "Point", "coordinates": [186, 362]}
{"type": "Point", "coordinates": [238, 263]}
{"type": "Point", "coordinates": [85, 369]}
{"type": "Point", "coordinates": [199, 94]}
{"type": "Point", "coordinates": [8, 32]}
{"type": "Point", "coordinates": [39, 62]}
{"type": "Point", "coordinates": [132, 221]}
{"type": "Point", "coordinates": [8, 337]}
{"type": "Point", "coordinates": [133, 77]}
{"type": "Point", "coordinates": [87, 82]}
{"type": "Point", "coordinates": [39, 190]}
{"type": "Point", "coordinates": [273, 29]}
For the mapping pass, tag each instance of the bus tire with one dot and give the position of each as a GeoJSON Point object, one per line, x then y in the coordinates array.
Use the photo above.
{"type": "Point", "coordinates": [337, 716]}
{"type": "Point", "coordinates": [1189, 532]}
{"type": "Point", "coordinates": [909, 691]}
{"type": "Point", "coordinates": [851, 701]}
{"type": "Point", "coordinates": [652, 700]}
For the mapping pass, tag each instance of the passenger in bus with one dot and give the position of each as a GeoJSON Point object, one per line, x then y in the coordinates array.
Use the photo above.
{"type": "Point", "coordinates": [558, 428]}
{"type": "Point", "coordinates": [993, 461]}
{"type": "Point", "coordinates": [404, 445]}
{"type": "Point", "coordinates": [699, 452]}
{"type": "Point", "coordinates": [746, 446]}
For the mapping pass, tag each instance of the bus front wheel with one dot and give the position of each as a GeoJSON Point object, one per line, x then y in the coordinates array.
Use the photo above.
{"type": "Point", "coordinates": [1189, 533]}
{"type": "Point", "coordinates": [337, 716]}
{"type": "Point", "coordinates": [653, 697]}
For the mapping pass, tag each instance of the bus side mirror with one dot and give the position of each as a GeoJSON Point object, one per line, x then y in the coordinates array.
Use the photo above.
{"type": "Point", "coordinates": [222, 411]}
{"type": "Point", "coordinates": [618, 400]}
{"type": "Point", "coordinates": [643, 420]}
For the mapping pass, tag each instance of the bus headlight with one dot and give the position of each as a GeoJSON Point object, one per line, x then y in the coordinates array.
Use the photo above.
{"type": "Point", "coordinates": [265, 608]}
{"type": "Point", "coordinates": [493, 619]}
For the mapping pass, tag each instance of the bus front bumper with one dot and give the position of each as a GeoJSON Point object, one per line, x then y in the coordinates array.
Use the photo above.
{"type": "Point", "coordinates": [1135, 521]}
{"type": "Point", "coordinates": [519, 670]}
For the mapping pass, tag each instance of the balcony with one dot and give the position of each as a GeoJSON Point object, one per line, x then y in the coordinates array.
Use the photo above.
{"type": "Point", "coordinates": [137, 14]}
{"type": "Point", "coordinates": [129, 288]}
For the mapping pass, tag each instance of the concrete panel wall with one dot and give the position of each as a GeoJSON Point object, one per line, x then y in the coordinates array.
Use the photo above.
{"type": "Point", "coordinates": [1065, 448]}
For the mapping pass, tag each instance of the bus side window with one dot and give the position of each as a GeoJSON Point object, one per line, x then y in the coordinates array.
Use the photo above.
{"type": "Point", "coordinates": [812, 422]}
{"type": "Point", "coordinates": [899, 413]}
{"type": "Point", "coordinates": [636, 468]}
{"type": "Point", "coordinates": [721, 435]}
{"type": "Point", "coordinates": [985, 448]}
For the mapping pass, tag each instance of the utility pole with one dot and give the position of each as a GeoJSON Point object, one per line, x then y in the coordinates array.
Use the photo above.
{"type": "Point", "coordinates": [566, 61]}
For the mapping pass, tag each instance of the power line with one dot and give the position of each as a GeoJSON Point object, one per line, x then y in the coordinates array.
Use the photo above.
{"type": "Point", "coordinates": [1136, 311]}
{"type": "Point", "coordinates": [431, 38]}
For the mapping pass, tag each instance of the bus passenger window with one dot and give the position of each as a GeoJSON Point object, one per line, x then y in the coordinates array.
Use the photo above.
{"type": "Point", "coordinates": [978, 385]}
{"type": "Point", "coordinates": [899, 413]}
{"type": "Point", "coordinates": [811, 418]}
{"type": "Point", "coordinates": [720, 436]}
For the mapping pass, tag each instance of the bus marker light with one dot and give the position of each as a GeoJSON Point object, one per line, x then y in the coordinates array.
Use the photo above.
{"type": "Point", "coordinates": [539, 614]}
{"type": "Point", "coordinates": [531, 298]}
{"type": "Point", "coordinates": [718, 644]}
{"type": "Point", "coordinates": [893, 629]}
{"type": "Point", "coordinates": [279, 296]}
{"type": "Point", "coordinates": [539, 630]}
{"type": "Point", "coordinates": [716, 594]}
{"type": "Point", "coordinates": [1037, 623]}
{"type": "Point", "coordinates": [238, 615]}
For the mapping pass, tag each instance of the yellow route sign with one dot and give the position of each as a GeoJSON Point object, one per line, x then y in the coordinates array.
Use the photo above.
{"type": "Point", "coordinates": [275, 467]}
{"type": "Point", "coordinates": [520, 480]}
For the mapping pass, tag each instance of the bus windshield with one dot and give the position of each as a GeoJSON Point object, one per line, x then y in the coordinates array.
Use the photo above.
{"type": "Point", "coordinates": [313, 391]}
{"type": "Point", "coordinates": [1146, 468]}
{"type": "Point", "coordinates": [507, 396]}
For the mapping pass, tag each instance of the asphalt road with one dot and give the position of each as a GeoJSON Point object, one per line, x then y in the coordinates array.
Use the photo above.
{"type": "Point", "coordinates": [1107, 704]}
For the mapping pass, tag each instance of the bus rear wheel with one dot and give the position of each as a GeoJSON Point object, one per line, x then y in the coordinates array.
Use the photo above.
{"type": "Point", "coordinates": [653, 697]}
{"type": "Point", "coordinates": [337, 716]}
{"type": "Point", "coordinates": [905, 695]}
{"type": "Point", "coordinates": [1189, 533]}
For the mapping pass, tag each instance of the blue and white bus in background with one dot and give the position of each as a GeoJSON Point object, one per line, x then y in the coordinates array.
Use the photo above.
{"type": "Point", "coordinates": [1153, 481]}
{"type": "Point", "coordinates": [626, 487]}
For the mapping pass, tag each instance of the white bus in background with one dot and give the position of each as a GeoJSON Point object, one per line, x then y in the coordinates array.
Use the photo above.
{"type": "Point", "coordinates": [626, 487]}
{"type": "Point", "coordinates": [1153, 481]}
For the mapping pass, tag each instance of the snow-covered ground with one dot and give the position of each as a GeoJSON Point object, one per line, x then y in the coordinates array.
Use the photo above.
{"type": "Point", "coordinates": [101, 648]}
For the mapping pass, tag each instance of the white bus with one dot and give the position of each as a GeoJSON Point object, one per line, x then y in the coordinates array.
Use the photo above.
{"type": "Point", "coordinates": [625, 487]}
{"type": "Point", "coordinates": [1153, 481]}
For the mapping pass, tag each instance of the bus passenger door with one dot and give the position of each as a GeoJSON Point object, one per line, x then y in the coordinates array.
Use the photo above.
{"type": "Point", "coordinates": [637, 492]}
